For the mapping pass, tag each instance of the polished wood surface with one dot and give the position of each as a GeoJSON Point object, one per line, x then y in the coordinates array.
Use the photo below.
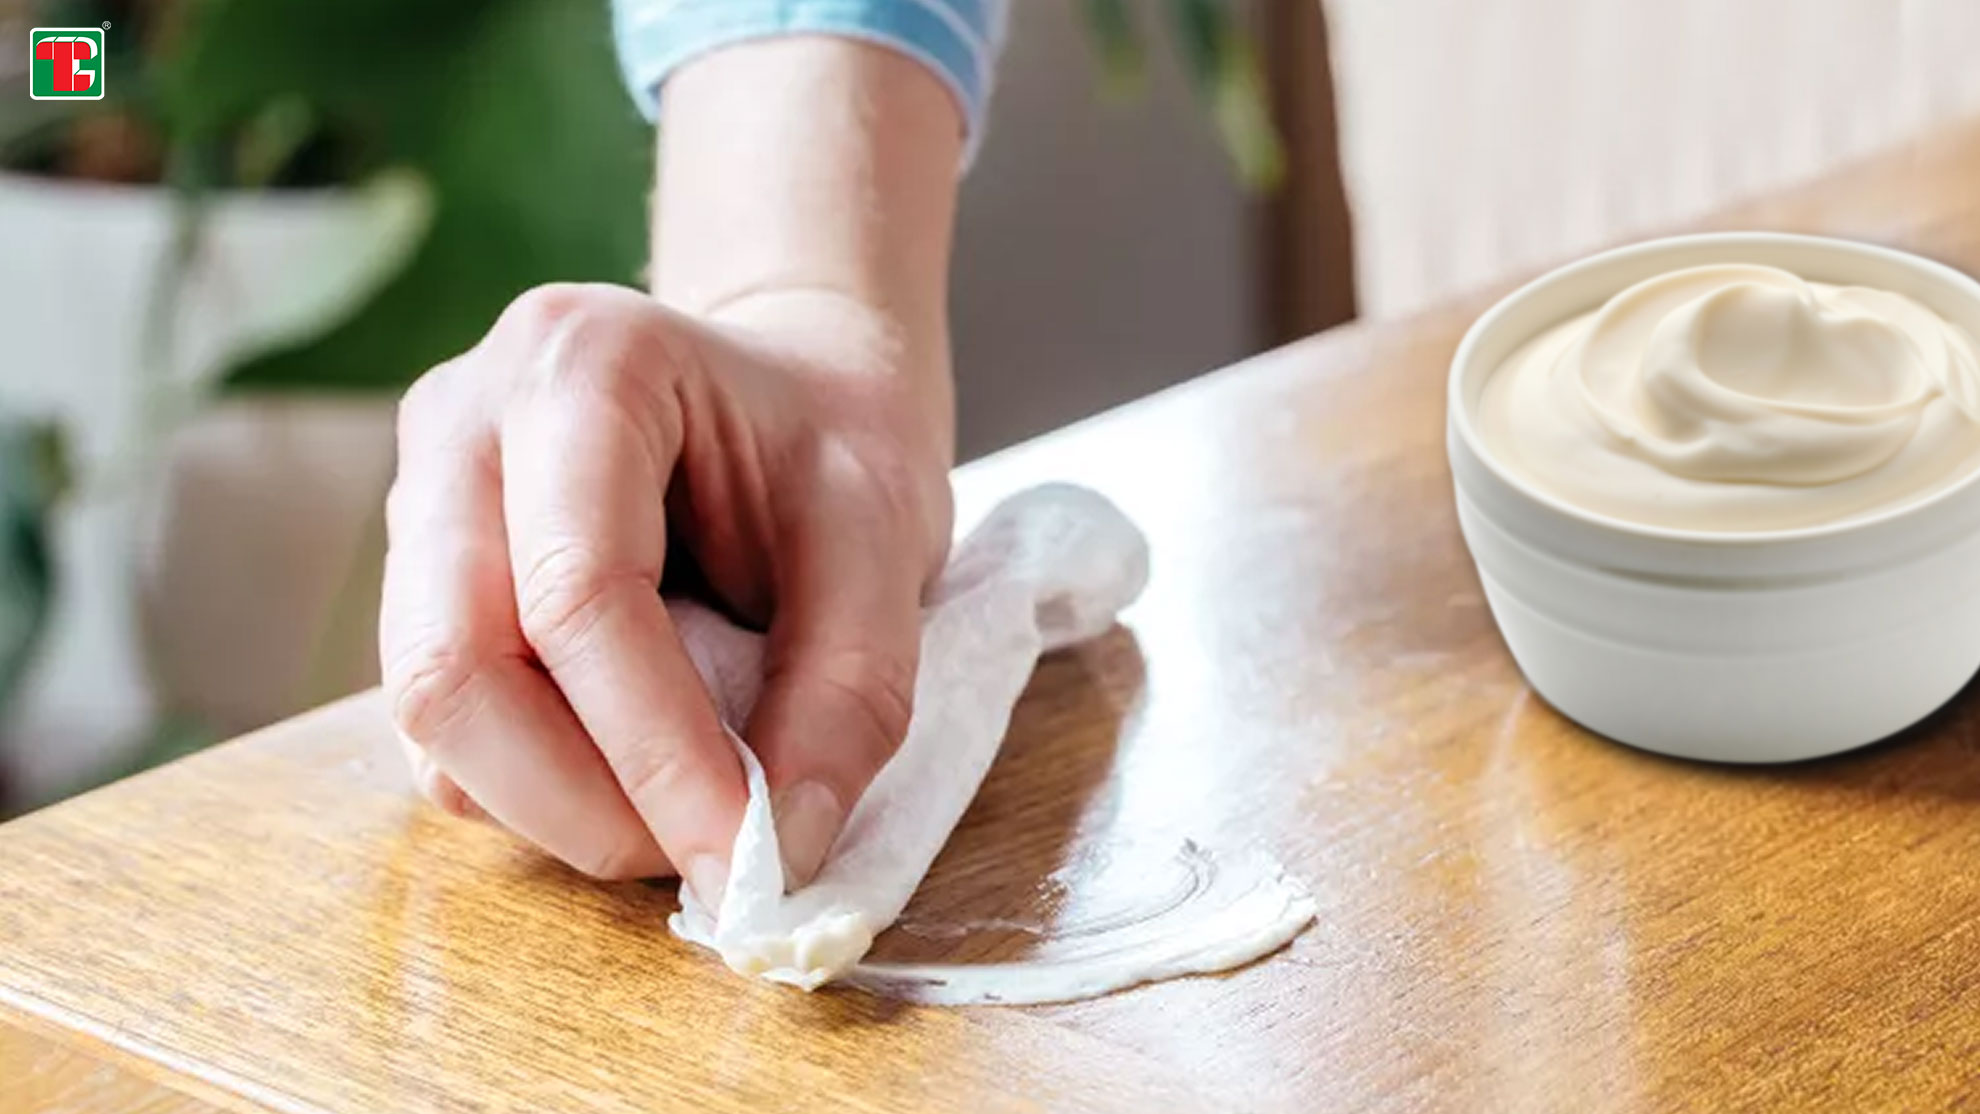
{"type": "Point", "coordinates": [43, 1069]}
{"type": "Point", "coordinates": [1513, 914]}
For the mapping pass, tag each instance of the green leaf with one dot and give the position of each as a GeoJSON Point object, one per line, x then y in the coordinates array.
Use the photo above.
{"type": "Point", "coordinates": [537, 161]}
{"type": "Point", "coordinates": [1200, 27]}
{"type": "Point", "coordinates": [1240, 109]}
{"type": "Point", "coordinates": [1224, 67]}
{"type": "Point", "coordinates": [272, 139]}
{"type": "Point", "coordinates": [1123, 61]}
{"type": "Point", "coordinates": [33, 476]}
{"type": "Point", "coordinates": [366, 61]}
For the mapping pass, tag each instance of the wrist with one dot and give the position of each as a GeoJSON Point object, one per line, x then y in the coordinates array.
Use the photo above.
{"type": "Point", "coordinates": [807, 191]}
{"type": "Point", "coordinates": [852, 345]}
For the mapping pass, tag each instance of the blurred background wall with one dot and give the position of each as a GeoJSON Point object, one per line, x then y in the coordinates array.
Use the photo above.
{"type": "Point", "coordinates": [1104, 250]}
{"type": "Point", "coordinates": [1482, 137]}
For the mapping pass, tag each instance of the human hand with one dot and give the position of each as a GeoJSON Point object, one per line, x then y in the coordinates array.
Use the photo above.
{"type": "Point", "coordinates": [544, 478]}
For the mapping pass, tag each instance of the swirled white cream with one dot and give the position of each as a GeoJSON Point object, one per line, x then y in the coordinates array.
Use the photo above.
{"type": "Point", "coordinates": [1736, 398]}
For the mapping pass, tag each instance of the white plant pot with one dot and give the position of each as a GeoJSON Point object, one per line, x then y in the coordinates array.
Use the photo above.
{"type": "Point", "coordinates": [259, 577]}
{"type": "Point", "coordinates": [77, 280]}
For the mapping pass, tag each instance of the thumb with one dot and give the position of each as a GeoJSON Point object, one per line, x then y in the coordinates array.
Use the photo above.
{"type": "Point", "coordinates": [838, 682]}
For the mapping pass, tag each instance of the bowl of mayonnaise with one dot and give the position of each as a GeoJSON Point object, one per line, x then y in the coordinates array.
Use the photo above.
{"type": "Point", "coordinates": [1723, 491]}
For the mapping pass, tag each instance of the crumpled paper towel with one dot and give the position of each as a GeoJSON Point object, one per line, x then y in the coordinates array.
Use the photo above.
{"type": "Point", "coordinates": [1049, 567]}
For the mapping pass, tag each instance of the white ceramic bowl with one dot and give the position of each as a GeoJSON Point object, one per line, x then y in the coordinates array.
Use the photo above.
{"type": "Point", "coordinates": [1751, 647]}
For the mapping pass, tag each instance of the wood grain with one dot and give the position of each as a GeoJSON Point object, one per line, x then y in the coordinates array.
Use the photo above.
{"type": "Point", "coordinates": [42, 1068]}
{"type": "Point", "coordinates": [1513, 914]}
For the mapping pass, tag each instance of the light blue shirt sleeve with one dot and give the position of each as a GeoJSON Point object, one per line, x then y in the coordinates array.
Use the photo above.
{"type": "Point", "coordinates": [956, 39]}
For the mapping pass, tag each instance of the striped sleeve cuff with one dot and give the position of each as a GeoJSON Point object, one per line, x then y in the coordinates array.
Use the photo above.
{"type": "Point", "coordinates": [956, 39]}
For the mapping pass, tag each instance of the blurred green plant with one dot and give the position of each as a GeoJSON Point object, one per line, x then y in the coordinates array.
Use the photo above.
{"type": "Point", "coordinates": [511, 111]}
{"type": "Point", "coordinates": [1223, 66]}
{"type": "Point", "coordinates": [33, 476]}
{"type": "Point", "coordinates": [535, 156]}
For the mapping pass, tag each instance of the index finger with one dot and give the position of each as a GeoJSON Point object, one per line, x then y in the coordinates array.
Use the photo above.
{"type": "Point", "coordinates": [587, 452]}
{"type": "Point", "coordinates": [466, 692]}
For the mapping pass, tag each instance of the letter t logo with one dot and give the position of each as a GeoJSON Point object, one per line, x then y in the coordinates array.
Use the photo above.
{"type": "Point", "coordinates": [65, 63]}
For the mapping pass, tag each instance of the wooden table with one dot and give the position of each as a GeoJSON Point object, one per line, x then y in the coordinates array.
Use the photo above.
{"type": "Point", "coordinates": [1513, 914]}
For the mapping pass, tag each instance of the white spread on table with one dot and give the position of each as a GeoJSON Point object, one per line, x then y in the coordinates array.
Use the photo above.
{"type": "Point", "coordinates": [1147, 917]}
{"type": "Point", "coordinates": [1734, 398]}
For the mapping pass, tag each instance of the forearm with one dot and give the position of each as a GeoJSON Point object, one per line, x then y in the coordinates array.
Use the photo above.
{"type": "Point", "coordinates": [801, 172]}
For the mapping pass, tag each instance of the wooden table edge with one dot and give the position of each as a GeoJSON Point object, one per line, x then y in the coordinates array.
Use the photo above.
{"type": "Point", "coordinates": [131, 1058]}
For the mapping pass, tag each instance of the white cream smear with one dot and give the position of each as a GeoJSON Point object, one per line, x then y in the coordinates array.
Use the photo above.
{"type": "Point", "coordinates": [1735, 398]}
{"type": "Point", "coordinates": [1049, 567]}
{"type": "Point", "coordinates": [1197, 912]}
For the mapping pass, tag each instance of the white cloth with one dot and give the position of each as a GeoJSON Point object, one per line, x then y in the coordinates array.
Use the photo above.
{"type": "Point", "coordinates": [1049, 567]}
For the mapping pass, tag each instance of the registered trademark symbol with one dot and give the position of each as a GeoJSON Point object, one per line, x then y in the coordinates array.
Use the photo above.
{"type": "Point", "coordinates": [106, 25]}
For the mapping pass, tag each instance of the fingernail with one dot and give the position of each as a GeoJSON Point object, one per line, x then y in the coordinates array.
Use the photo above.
{"type": "Point", "coordinates": [808, 820]}
{"type": "Point", "coordinates": [709, 876]}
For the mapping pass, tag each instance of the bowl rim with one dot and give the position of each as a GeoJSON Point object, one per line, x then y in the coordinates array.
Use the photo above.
{"type": "Point", "coordinates": [1459, 417]}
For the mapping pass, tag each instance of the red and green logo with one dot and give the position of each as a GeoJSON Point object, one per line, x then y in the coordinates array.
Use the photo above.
{"type": "Point", "coordinates": [65, 63]}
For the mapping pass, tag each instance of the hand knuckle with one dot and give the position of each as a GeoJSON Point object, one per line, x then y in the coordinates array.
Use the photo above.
{"type": "Point", "coordinates": [398, 509]}
{"type": "Point", "coordinates": [906, 500]}
{"type": "Point", "coordinates": [414, 405]}
{"type": "Point", "coordinates": [577, 336]}
{"type": "Point", "coordinates": [447, 794]}
{"type": "Point", "coordinates": [543, 310]}
{"type": "Point", "coordinates": [878, 688]}
{"type": "Point", "coordinates": [602, 340]}
{"type": "Point", "coordinates": [652, 774]}
{"type": "Point", "coordinates": [423, 405]}
{"type": "Point", "coordinates": [408, 509]}
{"type": "Point", "coordinates": [429, 685]}
{"type": "Point", "coordinates": [559, 596]}
{"type": "Point", "coordinates": [612, 862]}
